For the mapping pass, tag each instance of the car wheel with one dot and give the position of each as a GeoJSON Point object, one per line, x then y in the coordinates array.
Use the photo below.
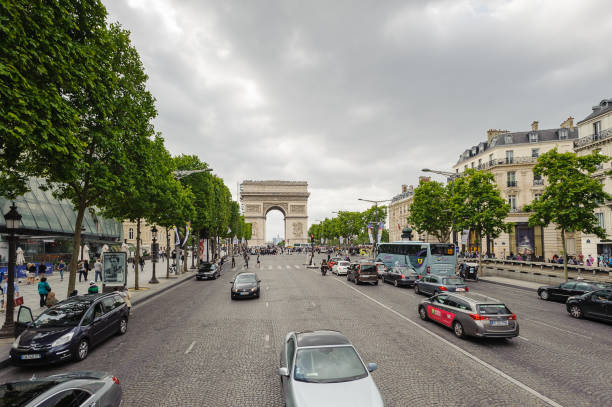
{"type": "Point", "coordinates": [82, 350]}
{"type": "Point", "coordinates": [458, 329]}
{"type": "Point", "coordinates": [544, 295]}
{"type": "Point", "coordinates": [122, 326]}
{"type": "Point", "coordinates": [423, 313]}
{"type": "Point", "coordinates": [376, 283]}
{"type": "Point", "coordinates": [395, 283]}
{"type": "Point", "coordinates": [416, 289]}
{"type": "Point", "coordinates": [576, 312]}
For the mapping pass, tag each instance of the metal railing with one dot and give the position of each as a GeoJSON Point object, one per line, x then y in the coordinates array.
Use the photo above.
{"type": "Point", "coordinates": [538, 182]}
{"type": "Point", "coordinates": [505, 161]}
{"type": "Point", "coordinates": [593, 138]}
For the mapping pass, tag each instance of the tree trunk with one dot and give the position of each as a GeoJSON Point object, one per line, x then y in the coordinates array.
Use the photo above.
{"type": "Point", "coordinates": [198, 252]}
{"type": "Point", "coordinates": [137, 255]}
{"type": "Point", "coordinates": [480, 269]}
{"type": "Point", "coordinates": [75, 249]}
{"type": "Point", "coordinates": [564, 254]}
{"type": "Point", "coordinates": [167, 253]}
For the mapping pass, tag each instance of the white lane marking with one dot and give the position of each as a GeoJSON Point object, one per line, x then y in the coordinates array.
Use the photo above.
{"type": "Point", "coordinates": [280, 267]}
{"type": "Point", "coordinates": [523, 338]}
{"type": "Point", "coordinates": [267, 304]}
{"type": "Point", "coordinates": [269, 267]}
{"type": "Point", "coordinates": [297, 267]}
{"type": "Point", "coordinates": [464, 352]}
{"type": "Point", "coordinates": [559, 329]}
{"type": "Point", "coordinates": [267, 288]}
{"type": "Point", "coordinates": [288, 266]}
{"type": "Point", "coordinates": [190, 347]}
{"type": "Point", "coordinates": [267, 345]}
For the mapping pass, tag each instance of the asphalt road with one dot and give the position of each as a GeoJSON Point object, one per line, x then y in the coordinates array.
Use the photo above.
{"type": "Point", "coordinates": [193, 346]}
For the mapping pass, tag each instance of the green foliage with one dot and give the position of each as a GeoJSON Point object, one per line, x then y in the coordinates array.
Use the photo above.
{"type": "Point", "coordinates": [430, 210]}
{"type": "Point", "coordinates": [476, 204]}
{"type": "Point", "coordinates": [571, 195]}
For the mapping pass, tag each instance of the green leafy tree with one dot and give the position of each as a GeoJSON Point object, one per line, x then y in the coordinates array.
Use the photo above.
{"type": "Point", "coordinates": [45, 60]}
{"type": "Point", "coordinates": [571, 196]}
{"type": "Point", "coordinates": [477, 205]}
{"type": "Point", "coordinates": [430, 210]}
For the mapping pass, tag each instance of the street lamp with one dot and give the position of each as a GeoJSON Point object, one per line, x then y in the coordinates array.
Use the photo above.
{"type": "Point", "coordinates": [451, 177]}
{"type": "Point", "coordinates": [13, 222]}
{"type": "Point", "coordinates": [154, 253]}
{"type": "Point", "coordinates": [375, 202]}
{"type": "Point", "coordinates": [82, 241]}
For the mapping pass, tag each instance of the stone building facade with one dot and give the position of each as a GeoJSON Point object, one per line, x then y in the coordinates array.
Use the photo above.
{"type": "Point", "coordinates": [399, 210]}
{"type": "Point", "coordinates": [510, 157]}
{"type": "Point", "coordinates": [129, 235]}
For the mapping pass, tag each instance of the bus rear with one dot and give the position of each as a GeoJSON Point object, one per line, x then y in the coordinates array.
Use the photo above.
{"type": "Point", "coordinates": [443, 259]}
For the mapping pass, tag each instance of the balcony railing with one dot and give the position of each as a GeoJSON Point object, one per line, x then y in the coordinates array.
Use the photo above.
{"type": "Point", "coordinates": [538, 182]}
{"type": "Point", "coordinates": [507, 161]}
{"type": "Point", "coordinates": [593, 138]}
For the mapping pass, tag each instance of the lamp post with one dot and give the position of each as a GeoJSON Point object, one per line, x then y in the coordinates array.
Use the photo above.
{"type": "Point", "coordinates": [451, 177]}
{"type": "Point", "coordinates": [82, 241]}
{"type": "Point", "coordinates": [154, 253]}
{"type": "Point", "coordinates": [375, 202]}
{"type": "Point", "coordinates": [13, 222]}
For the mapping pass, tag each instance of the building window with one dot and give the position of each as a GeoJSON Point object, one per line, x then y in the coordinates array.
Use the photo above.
{"type": "Point", "coordinates": [456, 170]}
{"type": "Point", "coordinates": [490, 159]}
{"type": "Point", "coordinates": [512, 202]}
{"type": "Point", "coordinates": [600, 219]}
{"type": "Point", "coordinates": [479, 163]}
{"type": "Point", "coordinates": [509, 157]}
{"type": "Point", "coordinates": [508, 139]}
{"type": "Point", "coordinates": [563, 134]}
{"type": "Point", "coordinates": [472, 164]}
{"type": "Point", "coordinates": [537, 179]}
{"type": "Point", "coordinates": [596, 128]}
{"type": "Point", "coordinates": [535, 152]}
{"type": "Point", "coordinates": [537, 196]}
{"type": "Point", "coordinates": [131, 233]}
{"type": "Point", "coordinates": [533, 137]}
{"type": "Point", "coordinates": [511, 178]}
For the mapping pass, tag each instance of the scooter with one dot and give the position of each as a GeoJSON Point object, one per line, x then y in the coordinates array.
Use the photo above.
{"type": "Point", "coordinates": [323, 270]}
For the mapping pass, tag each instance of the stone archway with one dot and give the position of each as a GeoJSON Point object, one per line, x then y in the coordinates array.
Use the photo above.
{"type": "Point", "coordinates": [289, 197]}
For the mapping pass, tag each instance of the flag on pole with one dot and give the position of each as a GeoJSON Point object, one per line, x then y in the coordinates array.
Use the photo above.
{"type": "Point", "coordinates": [370, 233]}
{"type": "Point", "coordinates": [177, 238]}
{"type": "Point", "coordinates": [381, 225]}
{"type": "Point", "coordinates": [187, 229]}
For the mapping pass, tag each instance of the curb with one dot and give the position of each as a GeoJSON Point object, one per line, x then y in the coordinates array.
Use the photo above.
{"type": "Point", "coordinates": [7, 362]}
{"type": "Point", "coordinates": [520, 287]}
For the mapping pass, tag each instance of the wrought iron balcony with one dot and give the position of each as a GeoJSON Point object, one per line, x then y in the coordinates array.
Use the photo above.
{"type": "Point", "coordinates": [505, 161]}
{"type": "Point", "coordinates": [593, 138]}
{"type": "Point", "coordinates": [538, 182]}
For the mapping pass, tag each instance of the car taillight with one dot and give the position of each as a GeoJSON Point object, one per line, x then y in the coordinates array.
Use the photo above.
{"type": "Point", "coordinates": [442, 288]}
{"type": "Point", "coordinates": [428, 269]}
{"type": "Point", "coordinates": [115, 380]}
{"type": "Point", "coordinates": [467, 288]}
{"type": "Point", "coordinates": [512, 317]}
{"type": "Point", "coordinates": [403, 277]}
{"type": "Point", "coordinates": [478, 317]}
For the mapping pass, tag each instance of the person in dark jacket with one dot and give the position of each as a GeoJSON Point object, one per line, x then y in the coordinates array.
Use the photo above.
{"type": "Point", "coordinates": [43, 289]}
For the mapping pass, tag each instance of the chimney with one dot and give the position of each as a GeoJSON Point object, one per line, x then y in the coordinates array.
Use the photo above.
{"type": "Point", "coordinates": [492, 133]}
{"type": "Point", "coordinates": [404, 188]}
{"type": "Point", "coordinates": [568, 124]}
{"type": "Point", "coordinates": [534, 125]}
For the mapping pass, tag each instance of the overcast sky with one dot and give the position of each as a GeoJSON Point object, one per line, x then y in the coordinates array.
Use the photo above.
{"type": "Point", "coordinates": [356, 97]}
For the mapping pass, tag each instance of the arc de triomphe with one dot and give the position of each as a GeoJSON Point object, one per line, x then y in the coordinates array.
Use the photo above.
{"type": "Point", "coordinates": [290, 197]}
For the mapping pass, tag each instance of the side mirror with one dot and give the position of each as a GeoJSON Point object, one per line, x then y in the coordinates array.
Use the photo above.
{"type": "Point", "coordinates": [372, 367]}
{"type": "Point", "coordinates": [283, 371]}
{"type": "Point", "coordinates": [232, 282]}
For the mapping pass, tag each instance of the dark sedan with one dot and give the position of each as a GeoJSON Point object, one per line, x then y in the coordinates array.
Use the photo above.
{"type": "Point", "coordinates": [208, 271]}
{"type": "Point", "coordinates": [67, 330]}
{"type": "Point", "coordinates": [245, 285]}
{"type": "Point", "coordinates": [432, 285]}
{"type": "Point", "coordinates": [70, 389]}
{"type": "Point", "coordinates": [563, 291]}
{"type": "Point", "coordinates": [596, 304]}
{"type": "Point", "coordinates": [400, 276]}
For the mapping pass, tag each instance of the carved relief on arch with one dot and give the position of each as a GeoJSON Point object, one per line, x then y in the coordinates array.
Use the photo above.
{"type": "Point", "coordinates": [298, 209]}
{"type": "Point", "coordinates": [271, 205]}
{"type": "Point", "coordinates": [253, 209]}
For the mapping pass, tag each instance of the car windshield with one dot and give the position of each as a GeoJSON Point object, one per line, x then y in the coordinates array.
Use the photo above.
{"type": "Point", "coordinates": [205, 267]}
{"type": "Point", "coordinates": [248, 278]}
{"type": "Point", "coordinates": [492, 309]}
{"type": "Point", "coordinates": [328, 365]}
{"type": "Point", "coordinates": [63, 314]}
{"type": "Point", "coordinates": [344, 263]}
{"type": "Point", "coordinates": [452, 281]}
{"type": "Point", "coordinates": [20, 393]}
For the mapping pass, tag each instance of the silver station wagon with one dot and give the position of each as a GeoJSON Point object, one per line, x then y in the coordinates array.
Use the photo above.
{"type": "Point", "coordinates": [470, 314]}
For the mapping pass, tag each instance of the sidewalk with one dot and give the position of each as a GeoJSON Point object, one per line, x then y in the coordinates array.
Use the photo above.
{"type": "Point", "coordinates": [526, 285]}
{"type": "Point", "coordinates": [146, 290]}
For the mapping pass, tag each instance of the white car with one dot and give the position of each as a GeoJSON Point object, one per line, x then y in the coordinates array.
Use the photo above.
{"type": "Point", "coordinates": [341, 268]}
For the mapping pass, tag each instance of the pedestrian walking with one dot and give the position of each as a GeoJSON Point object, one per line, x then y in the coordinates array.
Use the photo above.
{"type": "Point", "coordinates": [258, 262]}
{"type": "Point", "coordinates": [81, 270]}
{"type": "Point", "coordinates": [61, 267]}
{"type": "Point", "coordinates": [233, 262]}
{"type": "Point", "coordinates": [125, 293]}
{"type": "Point", "coordinates": [98, 269]}
{"type": "Point", "coordinates": [42, 269]}
{"type": "Point", "coordinates": [31, 273]}
{"type": "Point", "coordinates": [43, 289]}
{"type": "Point", "coordinates": [93, 288]}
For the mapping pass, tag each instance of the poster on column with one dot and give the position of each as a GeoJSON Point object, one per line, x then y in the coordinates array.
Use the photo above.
{"type": "Point", "coordinates": [114, 266]}
{"type": "Point", "coordinates": [524, 240]}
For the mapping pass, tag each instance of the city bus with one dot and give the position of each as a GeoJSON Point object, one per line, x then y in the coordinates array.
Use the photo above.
{"type": "Point", "coordinates": [424, 258]}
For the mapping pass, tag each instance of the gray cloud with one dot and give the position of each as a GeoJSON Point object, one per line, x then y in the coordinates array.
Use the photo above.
{"type": "Point", "coordinates": [356, 97]}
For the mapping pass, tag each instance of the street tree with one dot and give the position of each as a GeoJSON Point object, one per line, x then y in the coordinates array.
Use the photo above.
{"type": "Point", "coordinates": [571, 195]}
{"type": "Point", "coordinates": [430, 210]}
{"type": "Point", "coordinates": [477, 205]}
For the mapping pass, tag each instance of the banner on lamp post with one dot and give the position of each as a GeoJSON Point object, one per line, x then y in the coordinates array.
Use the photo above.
{"type": "Point", "coordinates": [370, 233]}
{"type": "Point", "coordinates": [381, 225]}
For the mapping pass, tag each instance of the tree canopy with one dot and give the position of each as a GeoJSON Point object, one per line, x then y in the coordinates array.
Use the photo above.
{"type": "Point", "coordinates": [430, 210]}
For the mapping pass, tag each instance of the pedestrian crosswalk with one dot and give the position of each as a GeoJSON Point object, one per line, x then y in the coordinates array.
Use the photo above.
{"type": "Point", "coordinates": [279, 267]}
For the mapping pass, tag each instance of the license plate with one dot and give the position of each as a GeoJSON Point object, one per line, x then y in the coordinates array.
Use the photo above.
{"type": "Point", "coordinates": [499, 323]}
{"type": "Point", "coordinates": [244, 293]}
{"type": "Point", "coordinates": [33, 356]}
{"type": "Point", "coordinates": [460, 289]}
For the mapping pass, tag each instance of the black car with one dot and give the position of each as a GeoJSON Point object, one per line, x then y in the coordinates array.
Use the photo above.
{"type": "Point", "coordinates": [208, 271]}
{"type": "Point", "coordinates": [563, 291]}
{"type": "Point", "coordinates": [245, 285]}
{"type": "Point", "coordinates": [400, 276]}
{"type": "Point", "coordinates": [596, 304]}
{"type": "Point", "coordinates": [68, 330]}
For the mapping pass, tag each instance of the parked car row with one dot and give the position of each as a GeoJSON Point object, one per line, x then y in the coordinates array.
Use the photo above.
{"type": "Point", "coordinates": [583, 298]}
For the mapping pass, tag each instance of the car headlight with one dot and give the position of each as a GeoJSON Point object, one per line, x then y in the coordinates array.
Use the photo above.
{"type": "Point", "coordinates": [62, 340]}
{"type": "Point", "coordinates": [16, 342]}
{"type": "Point", "coordinates": [254, 288]}
{"type": "Point", "coordinates": [235, 290]}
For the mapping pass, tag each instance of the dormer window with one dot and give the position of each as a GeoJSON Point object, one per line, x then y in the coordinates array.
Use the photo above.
{"type": "Point", "coordinates": [563, 134]}
{"type": "Point", "coordinates": [508, 139]}
{"type": "Point", "coordinates": [474, 151]}
{"type": "Point", "coordinates": [533, 137]}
